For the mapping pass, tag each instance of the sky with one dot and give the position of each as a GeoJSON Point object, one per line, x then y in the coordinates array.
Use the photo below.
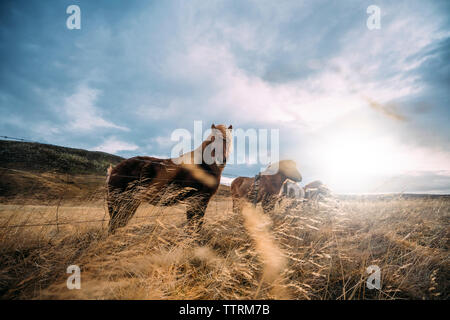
{"type": "Point", "coordinates": [364, 111]}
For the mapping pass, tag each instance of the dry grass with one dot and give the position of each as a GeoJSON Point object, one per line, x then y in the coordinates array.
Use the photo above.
{"type": "Point", "coordinates": [313, 251]}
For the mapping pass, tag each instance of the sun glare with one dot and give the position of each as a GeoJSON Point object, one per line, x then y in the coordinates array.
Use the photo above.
{"type": "Point", "coordinates": [352, 162]}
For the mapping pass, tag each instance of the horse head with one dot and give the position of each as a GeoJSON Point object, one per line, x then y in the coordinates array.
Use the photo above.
{"type": "Point", "coordinates": [219, 148]}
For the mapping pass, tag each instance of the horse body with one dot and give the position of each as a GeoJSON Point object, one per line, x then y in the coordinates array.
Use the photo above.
{"type": "Point", "coordinates": [165, 182]}
{"type": "Point", "coordinates": [266, 189]}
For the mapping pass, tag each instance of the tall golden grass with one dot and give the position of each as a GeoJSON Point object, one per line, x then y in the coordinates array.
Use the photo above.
{"type": "Point", "coordinates": [313, 250]}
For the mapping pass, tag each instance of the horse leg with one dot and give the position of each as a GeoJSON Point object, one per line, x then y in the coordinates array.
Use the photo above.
{"type": "Point", "coordinates": [237, 205]}
{"type": "Point", "coordinates": [196, 210]}
{"type": "Point", "coordinates": [121, 210]}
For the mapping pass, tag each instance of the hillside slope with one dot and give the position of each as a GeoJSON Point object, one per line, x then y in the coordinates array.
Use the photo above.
{"type": "Point", "coordinates": [40, 172]}
{"type": "Point", "coordinates": [40, 157]}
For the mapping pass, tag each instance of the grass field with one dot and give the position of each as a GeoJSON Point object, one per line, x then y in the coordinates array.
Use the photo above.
{"type": "Point", "coordinates": [51, 219]}
{"type": "Point", "coordinates": [313, 251]}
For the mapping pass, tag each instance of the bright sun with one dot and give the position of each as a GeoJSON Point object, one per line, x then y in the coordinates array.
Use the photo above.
{"type": "Point", "coordinates": [352, 161]}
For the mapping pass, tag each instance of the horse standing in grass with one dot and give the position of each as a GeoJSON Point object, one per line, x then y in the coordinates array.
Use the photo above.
{"type": "Point", "coordinates": [166, 182]}
{"type": "Point", "coordinates": [265, 187]}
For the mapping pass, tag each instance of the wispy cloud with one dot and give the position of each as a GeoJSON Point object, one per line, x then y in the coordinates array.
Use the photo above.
{"type": "Point", "coordinates": [114, 145]}
{"type": "Point", "coordinates": [82, 114]}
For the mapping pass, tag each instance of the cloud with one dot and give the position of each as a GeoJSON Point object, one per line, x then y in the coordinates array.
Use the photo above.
{"type": "Point", "coordinates": [82, 113]}
{"type": "Point", "coordinates": [113, 145]}
{"type": "Point", "coordinates": [306, 68]}
{"type": "Point", "coordinates": [157, 113]}
{"type": "Point", "coordinates": [317, 81]}
{"type": "Point", "coordinates": [164, 141]}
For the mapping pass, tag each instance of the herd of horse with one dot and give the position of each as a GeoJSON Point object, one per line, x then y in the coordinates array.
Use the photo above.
{"type": "Point", "coordinates": [166, 182]}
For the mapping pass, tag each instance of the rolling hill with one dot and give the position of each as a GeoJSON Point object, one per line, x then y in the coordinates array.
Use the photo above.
{"type": "Point", "coordinates": [38, 157]}
{"type": "Point", "coordinates": [39, 172]}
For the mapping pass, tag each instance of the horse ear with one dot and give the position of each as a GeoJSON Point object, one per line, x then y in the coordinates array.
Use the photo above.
{"type": "Point", "coordinates": [213, 126]}
{"type": "Point", "coordinates": [230, 127]}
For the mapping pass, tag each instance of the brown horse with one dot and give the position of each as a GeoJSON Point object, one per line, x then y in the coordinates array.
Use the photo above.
{"type": "Point", "coordinates": [266, 189]}
{"type": "Point", "coordinates": [166, 182]}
